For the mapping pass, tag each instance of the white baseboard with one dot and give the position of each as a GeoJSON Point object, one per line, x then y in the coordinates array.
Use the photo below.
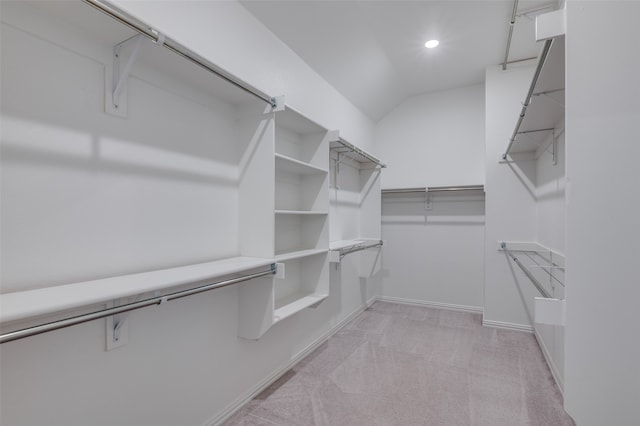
{"type": "Point", "coordinates": [235, 406]}
{"type": "Point", "coordinates": [507, 326]}
{"type": "Point", "coordinates": [552, 365]}
{"type": "Point", "coordinates": [461, 308]}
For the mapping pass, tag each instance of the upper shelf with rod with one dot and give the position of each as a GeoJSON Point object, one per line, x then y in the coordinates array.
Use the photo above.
{"type": "Point", "coordinates": [431, 189]}
{"type": "Point", "coordinates": [39, 303]}
{"type": "Point", "coordinates": [543, 107]}
{"type": "Point", "coordinates": [365, 160]}
{"type": "Point", "coordinates": [443, 190]}
{"type": "Point", "coordinates": [545, 269]}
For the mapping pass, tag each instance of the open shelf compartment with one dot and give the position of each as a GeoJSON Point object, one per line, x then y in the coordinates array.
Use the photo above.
{"type": "Point", "coordinates": [304, 285]}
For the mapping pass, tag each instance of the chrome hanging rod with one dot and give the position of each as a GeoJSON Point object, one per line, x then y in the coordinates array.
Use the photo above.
{"type": "Point", "coordinates": [158, 300]}
{"type": "Point", "coordinates": [177, 48]}
{"type": "Point", "coordinates": [533, 279]}
{"type": "Point", "coordinates": [512, 22]}
{"type": "Point", "coordinates": [434, 189]}
{"type": "Point", "coordinates": [548, 129]}
{"type": "Point", "coordinates": [455, 188]}
{"type": "Point", "coordinates": [547, 268]}
{"type": "Point", "coordinates": [527, 99]}
{"type": "Point", "coordinates": [403, 190]}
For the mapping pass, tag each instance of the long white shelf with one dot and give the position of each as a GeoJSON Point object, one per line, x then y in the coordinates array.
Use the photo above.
{"type": "Point", "coordinates": [31, 303]}
{"type": "Point", "coordinates": [344, 244]}
{"type": "Point", "coordinates": [295, 303]}
{"type": "Point", "coordinates": [292, 165]}
{"type": "Point", "coordinates": [338, 249]}
{"type": "Point", "coordinates": [298, 254]}
{"type": "Point", "coordinates": [301, 212]}
{"type": "Point", "coordinates": [353, 152]}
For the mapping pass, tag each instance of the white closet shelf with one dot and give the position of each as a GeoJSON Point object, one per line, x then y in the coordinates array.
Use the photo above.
{"type": "Point", "coordinates": [31, 303]}
{"type": "Point", "coordinates": [351, 151]}
{"type": "Point", "coordinates": [301, 212]}
{"type": "Point", "coordinates": [290, 305]}
{"type": "Point", "coordinates": [292, 165]}
{"type": "Point", "coordinates": [341, 248]}
{"type": "Point", "coordinates": [298, 254]}
{"type": "Point", "coordinates": [543, 107]}
{"type": "Point", "coordinates": [346, 244]}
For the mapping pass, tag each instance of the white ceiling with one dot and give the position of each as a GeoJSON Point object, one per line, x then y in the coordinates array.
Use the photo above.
{"type": "Point", "coordinates": [373, 51]}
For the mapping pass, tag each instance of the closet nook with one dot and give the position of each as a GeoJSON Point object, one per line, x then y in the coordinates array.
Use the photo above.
{"type": "Point", "coordinates": [536, 153]}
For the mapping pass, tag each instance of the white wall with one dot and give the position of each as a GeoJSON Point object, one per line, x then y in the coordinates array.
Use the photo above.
{"type": "Point", "coordinates": [510, 201]}
{"type": "Point", "coordinates": [550, 194]}
{"type": "Point", "coordinates": [551, 233]}
{"type": "Point", "coordinates": [435, 255]}
{"type": "Point", "coordinates": [183, 364]}
{"type": "Point", "coordinates": [602, 376]}
{"type": "Point", "coordinates": [228, 35]}
{"type": "Point", "coordinates": [434, 139]}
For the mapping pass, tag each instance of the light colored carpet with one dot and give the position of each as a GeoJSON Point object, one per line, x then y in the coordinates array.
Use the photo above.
{"type": "Point", "coordinates": [412, 365]}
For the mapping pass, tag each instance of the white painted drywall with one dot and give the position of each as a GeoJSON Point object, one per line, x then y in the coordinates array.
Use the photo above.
{"type": "Point", "coordinates": [434, 139]}
{"type": "Point", "coordinates": [184, 363]}
{"type": "Point", "coordinates": [510, 201]}
{"type": "Point", "coordinates": [602, 376]}
{"type": "Point", "coordinates": [434, 255]}
{"type": "Point", "coordinates": [551, 233]}
{"type": "Point", "coordinates": [550, 195]}
{"type": "Point", "coordinates": [228, 35]}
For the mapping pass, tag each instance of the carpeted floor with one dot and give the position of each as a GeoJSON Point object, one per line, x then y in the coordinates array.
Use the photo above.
{"type": "Point", "coordinates": [412, 365]}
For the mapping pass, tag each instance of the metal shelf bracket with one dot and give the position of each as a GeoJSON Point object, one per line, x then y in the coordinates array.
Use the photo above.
{"type": "Point", "coordinates": [116, 98]}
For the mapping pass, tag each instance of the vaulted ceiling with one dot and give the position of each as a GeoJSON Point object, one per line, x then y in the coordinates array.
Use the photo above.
{"type": "Point", "coordinates": [373, 51]}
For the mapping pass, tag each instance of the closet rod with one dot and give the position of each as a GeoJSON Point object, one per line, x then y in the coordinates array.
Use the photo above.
{"type": "Point", "coordinates": [177, 48]}
{"type": "Point", "coordinates": [527, 99]}
{"type": "Point", "coordinates": [403, 190]}
{"type": "Point", "coordinates": [512, 22]}
{"type": "Point", "coordinates": [435, 189]}
{"type": "Point", "coordinates": [455, 188]}
{"type": "Point", "coordinates": [158, 300]}
{"type": "Point", "coordinates": [535, 282]}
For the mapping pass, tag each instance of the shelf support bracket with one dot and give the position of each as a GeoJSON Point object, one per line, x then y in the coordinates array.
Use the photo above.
{"type": "Point", "coordinates": [117, 328]}
{"type": "Point", "coordinates": [116, 99]}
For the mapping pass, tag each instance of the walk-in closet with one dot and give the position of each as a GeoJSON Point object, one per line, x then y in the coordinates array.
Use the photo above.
{"type": "Point", "coordinates": [319, 213]}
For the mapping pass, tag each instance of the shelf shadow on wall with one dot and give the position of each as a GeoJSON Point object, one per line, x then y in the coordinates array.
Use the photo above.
{"type": "Point", "coordinates": [12, 153]}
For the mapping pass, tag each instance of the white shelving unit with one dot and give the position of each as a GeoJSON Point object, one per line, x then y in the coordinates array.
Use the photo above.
{"type": "Point", "coordinates": [228, 178]}
{"type": "Point", "coordinates": [301, 222]}
{"type": "Point", "coordinates": [176, 185]}
{"type": "Point", "coordinates": [542, 116]}
{"type": "Point", "coordinates": [355, 206]}
{"type": "Point", "coordinates": [539, 130]}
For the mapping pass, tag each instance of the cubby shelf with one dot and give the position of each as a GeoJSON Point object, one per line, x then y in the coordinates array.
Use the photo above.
{"type": "Point", "coordinates": [301, 213]}
{"type": "Point", "coordinates": [292, 165]}
{"type": "Point", "coordinates": [295, 303]}
{"type": "Point", "coordinates": [298, 254]}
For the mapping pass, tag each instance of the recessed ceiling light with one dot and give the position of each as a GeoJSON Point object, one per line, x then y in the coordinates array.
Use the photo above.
{"type": "Point", "coordinates": [431, 44]}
